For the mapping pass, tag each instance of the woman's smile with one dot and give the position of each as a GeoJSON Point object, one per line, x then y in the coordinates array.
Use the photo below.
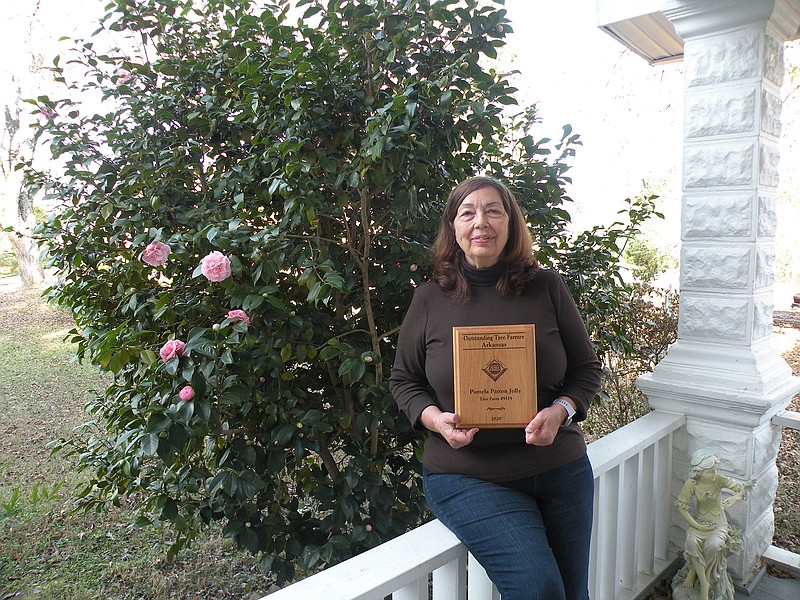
{"type": "Point", "coordinates": [482, 239]}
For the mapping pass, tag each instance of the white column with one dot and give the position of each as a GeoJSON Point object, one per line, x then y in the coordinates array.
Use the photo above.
{"type": "Point", "coordinates": [723, 373]}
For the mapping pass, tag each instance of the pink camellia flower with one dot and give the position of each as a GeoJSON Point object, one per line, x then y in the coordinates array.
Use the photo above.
{"type": "Point", "coordinates": [240, 315]}
{"type": "Point", "coordinates": [172, 349]}
{"type": "Point", "coordinates": [156, 254]}
{"type": "Point", "coordinates": [186, 393]}
{"type": "Point", "coordinates": [412, 268]}
{"type": "Point", "coordinates": [216, 266]}
{"type": "Point", "coordinates": [124, 77]}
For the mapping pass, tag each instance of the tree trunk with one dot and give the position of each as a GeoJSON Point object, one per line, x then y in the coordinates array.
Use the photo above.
{"type": "Point", "coordinates": [19, 215]}
{"type": "Point", "coordinates": [30, 268]}
{"type": "Point", "coordinates": [16, 143]}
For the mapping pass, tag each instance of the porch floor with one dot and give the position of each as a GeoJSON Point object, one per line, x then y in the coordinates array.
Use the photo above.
{"type": "Point", "coordinates": [773, 588]}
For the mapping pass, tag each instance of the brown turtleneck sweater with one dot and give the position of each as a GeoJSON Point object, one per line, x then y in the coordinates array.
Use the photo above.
{"type": "Point", "coordinates": [566, 364]}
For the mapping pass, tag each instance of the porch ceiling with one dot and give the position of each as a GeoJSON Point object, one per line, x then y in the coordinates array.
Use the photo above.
{"type": "Point", "coordinates": [651, 36]}
{"type": "Point", "coordinates": [641, 26]}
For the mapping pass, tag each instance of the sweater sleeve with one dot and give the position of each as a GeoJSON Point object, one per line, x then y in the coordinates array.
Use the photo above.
{"type": "Point", "coordinates": [584, 370]}
{"type": "Point", "coordinates": [408, 382]}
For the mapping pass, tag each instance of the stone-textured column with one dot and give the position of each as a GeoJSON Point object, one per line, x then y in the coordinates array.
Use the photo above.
{"type": "Point", "coordinates": [723, 372]}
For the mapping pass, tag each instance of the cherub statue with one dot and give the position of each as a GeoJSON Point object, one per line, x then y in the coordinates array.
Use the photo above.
{"type": "Point", "coordinates": [709, 538]}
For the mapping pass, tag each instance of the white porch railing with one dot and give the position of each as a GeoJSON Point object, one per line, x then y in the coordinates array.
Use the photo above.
{"type": "Point", "coordinates": [778, 557]}
{"type": "Point", "coordinates": [633, 483]}
{"type": "Point", "coordinates": [630, 541]}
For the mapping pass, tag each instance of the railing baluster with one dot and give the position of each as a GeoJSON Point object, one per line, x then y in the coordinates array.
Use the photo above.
{"type": "Point", "coordinates": [663, 495]}
{"type": "Point", "coordinates": [645, 513]}
{"type": "Point", "coordinates": [416, 590]}
{"type": "Point", "coordinates": [593, 561]}
{"type": "Point", "coordinates": [607, 558]}
{"type": "Point", "coordinates": [479, 585]}
{"type": "Point", "coordinates": [629, 487]}
{"type": "Point", "coordinates": [450, 581]}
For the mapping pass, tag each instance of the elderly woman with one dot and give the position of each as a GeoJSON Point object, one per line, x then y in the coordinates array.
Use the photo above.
{"type": "Point", "coordinates": [519, 499]}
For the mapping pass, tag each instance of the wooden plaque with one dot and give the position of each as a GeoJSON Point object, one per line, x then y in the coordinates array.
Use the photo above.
{"type": "Point", "coordinates": [495, 375]}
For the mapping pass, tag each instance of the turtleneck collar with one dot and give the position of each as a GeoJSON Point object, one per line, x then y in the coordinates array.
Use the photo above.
{"type": "Point", "coordinates": [483, 277]}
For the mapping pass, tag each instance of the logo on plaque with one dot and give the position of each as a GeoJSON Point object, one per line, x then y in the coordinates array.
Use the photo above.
{"type": "Point", "coordinates": [495, 369]}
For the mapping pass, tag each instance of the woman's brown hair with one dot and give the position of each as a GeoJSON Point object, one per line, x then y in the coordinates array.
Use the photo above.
{"type": "Point", "coordinates": [517, 255]}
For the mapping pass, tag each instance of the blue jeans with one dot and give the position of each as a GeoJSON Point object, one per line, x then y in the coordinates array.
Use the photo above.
{"type": "Point", "coordinates": [531, 535]}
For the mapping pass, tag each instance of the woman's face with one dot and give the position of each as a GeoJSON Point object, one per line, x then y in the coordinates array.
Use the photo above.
{"type": "Point", "coordinates": [481, 227]}
{"type": "Point", "coordinates": [708, 474]}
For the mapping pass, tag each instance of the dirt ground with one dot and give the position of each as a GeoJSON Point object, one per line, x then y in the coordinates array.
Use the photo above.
{"type": "Point", "coordinates": [787, 501]}
{"type": "Point", "coordinates": [23, 306]}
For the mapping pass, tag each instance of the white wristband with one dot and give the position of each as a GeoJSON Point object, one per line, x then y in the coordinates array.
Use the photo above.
{"type": "Point", "coordinates": [568, 407]}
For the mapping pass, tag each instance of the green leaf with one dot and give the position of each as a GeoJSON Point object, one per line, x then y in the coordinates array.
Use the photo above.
{"type": "Point", "coordinates": [150, 444]}
{"type": "Point", "coordinates": [118, 360]}
{"type": "Point", "coordinates": [249, 539]}
{"type": "Point", "coordinates": [235, 395]}
{"type": "Point", "coordinates": [170, 510]}
{"type": "Point", "coordinates": [157, 422]}
{"type": "Point", "coordinates": [142, 521]}
{"type": "Point", "coordinates": [201, 345]}
{"type": "Point", "coordinates": [227, 357]}
{"type": "Point", "coordinates": [185, 411]}
{"type": "Point", "coordinates": [329, 352]}
{"type": "Point", "coordinates": [202, 409]}
{"type": "Point", "coordinates": [252, 301]}
{"type": "Point", "coordinates": [283, 433]}
{"type": "Point", "coordinates": [216, 483]}
{"type": "Point", "coordinates": [354, 368]}
{"type": "Point", "coordinates": [148, 357]}
{"type": "Point", "coordinates": [286, 352]}
{"type": "Point", "coordinates": [248, 456]}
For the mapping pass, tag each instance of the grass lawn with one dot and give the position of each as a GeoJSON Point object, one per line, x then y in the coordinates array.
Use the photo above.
{"type": "Point", "coordinates": [8, 263]}
{"type": "Point", "coordinates": [46, 549]}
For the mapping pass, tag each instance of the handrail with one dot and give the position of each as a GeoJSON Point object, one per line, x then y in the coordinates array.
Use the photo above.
{"type": "Point", "coordinates": [630, 540]}
{"type": "Point", "coordinates": [787, 418]}
{"type": "Point", "coordinates": [409, 557]}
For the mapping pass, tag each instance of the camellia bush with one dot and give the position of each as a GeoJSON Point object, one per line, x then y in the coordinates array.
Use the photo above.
{"type": "Point", "coordinates": [243, 222]}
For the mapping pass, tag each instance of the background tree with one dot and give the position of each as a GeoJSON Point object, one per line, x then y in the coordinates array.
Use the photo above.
{"type": "Point", "coordinates": [17, 143]}
{"type": "Point", "coordinates": [255, 203]}
{"type": "Point", "coordinates": [647, 260]}
{"type": "Point", "coordinates": [787, 250]}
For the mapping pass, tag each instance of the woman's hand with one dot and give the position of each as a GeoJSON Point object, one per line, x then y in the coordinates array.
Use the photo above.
{"type": "Point", "coordinates": [444, 423]}
{"type": "Point", "coordinates": [693, 523]}
{"type": "Point", "coordinates": [542, 430]}
{"type": "Point", "coordinates": [730, 501]}
{"type": "Point", "coordinates": [703, 527]}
